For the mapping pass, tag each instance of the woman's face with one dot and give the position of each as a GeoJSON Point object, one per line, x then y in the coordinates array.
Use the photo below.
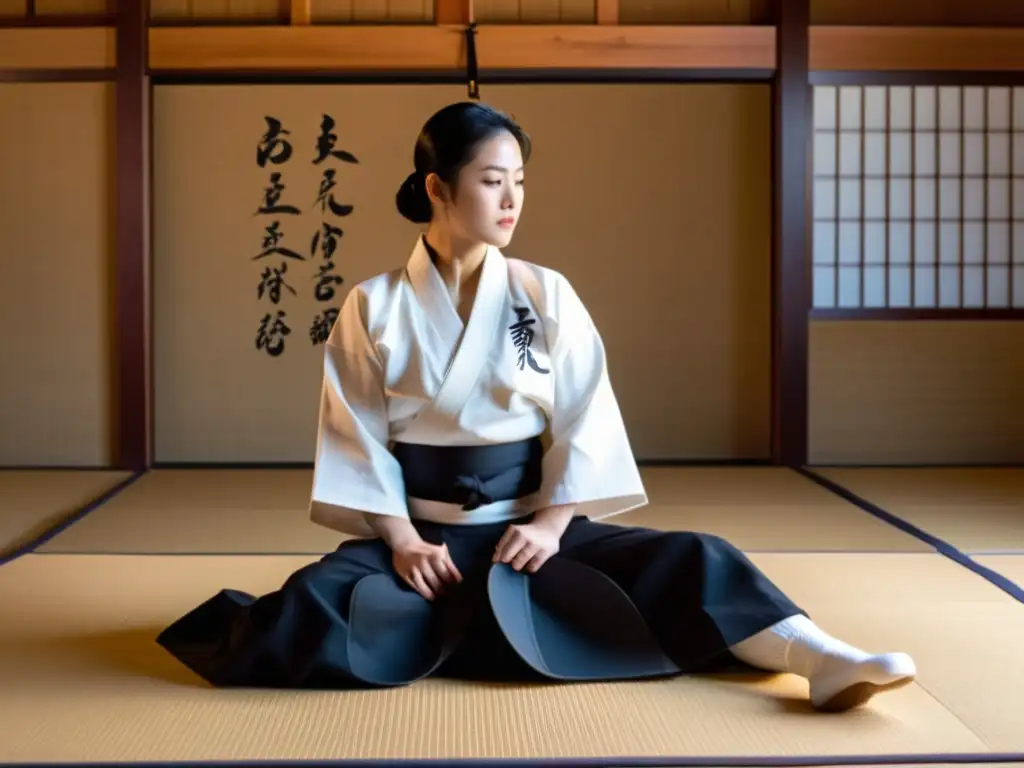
{"type": "Point", "coordinates": [488, 199]}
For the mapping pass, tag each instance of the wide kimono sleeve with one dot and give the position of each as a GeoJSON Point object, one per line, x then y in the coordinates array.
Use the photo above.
{"type": "Point", "coordinates": [589, 462]}
{"type": "Point", "coordinates": [355, 474]}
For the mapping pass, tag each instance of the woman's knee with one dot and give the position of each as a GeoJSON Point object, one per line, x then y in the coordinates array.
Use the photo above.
{"type": "Point", "coordinates": [353, 559]}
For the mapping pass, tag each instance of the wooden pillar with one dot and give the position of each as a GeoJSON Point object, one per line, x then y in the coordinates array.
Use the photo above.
{"type": "Point", "coordinates": [132, 255]}
{"type": "Point", "coordinates": [791, 269]}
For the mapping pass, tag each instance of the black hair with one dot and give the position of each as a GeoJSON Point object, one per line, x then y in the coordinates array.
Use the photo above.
{"type": "Point", "coordinates": [448, 141]}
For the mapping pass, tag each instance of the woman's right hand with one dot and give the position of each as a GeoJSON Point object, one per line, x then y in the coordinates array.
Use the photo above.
{"type": "Point", "coordinates": [425, 567]}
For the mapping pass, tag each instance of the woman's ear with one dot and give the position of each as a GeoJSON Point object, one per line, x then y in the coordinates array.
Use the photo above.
{"type": "Point", "coordinates": [436, 190]}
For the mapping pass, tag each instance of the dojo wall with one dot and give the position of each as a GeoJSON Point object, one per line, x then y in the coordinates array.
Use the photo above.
{"type": "Point", "coordinates": [666, 238]}
{"type": "Point", "coordinates": [56, 242]}
{"type": "Point", "coordinates": [665, 235]}
{"type": "Point", "coordinates": [916, 392]}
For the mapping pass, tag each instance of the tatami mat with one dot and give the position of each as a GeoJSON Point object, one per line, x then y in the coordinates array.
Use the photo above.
{"type": "Point", "coordinates": [762, 509]}
{"type": "Point", "coordinates": [964, 633]}
{"type": "Point", "coordinates": [265, 511]}
{"type": "Point", "coordinates": [975, 510]}
{"type": "Point", "coordinates": [84, 679]}
{"type": "Point", "coordinates": [34, 501]}
{"type": "Point", "coordinates": [204, 511]}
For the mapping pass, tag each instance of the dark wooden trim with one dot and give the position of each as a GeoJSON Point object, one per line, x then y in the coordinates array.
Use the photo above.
{"type": "Point", "coordinates": [132, 268]}
{"type": "Point", "coordinates": [57, 75]}
{"type": "Point", "coordinates": [915, 77]}
{"type": "Point", "coordinates": [791, 268]}
{"type": "Point", "coordinates": [917, 313]}
{"type": "Point", "coordinates": [420, 77]}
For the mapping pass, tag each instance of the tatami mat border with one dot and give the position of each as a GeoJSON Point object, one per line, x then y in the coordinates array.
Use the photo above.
{"type": "Point", "coordinates": [941, 546]}
{"type": "Point", "coordinates": [987, 758]}
{"type": "Point", "coordinates": [32, 544]}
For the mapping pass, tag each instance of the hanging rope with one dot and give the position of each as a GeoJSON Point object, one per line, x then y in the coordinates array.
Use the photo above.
{"type": "Point", "coordinates": [471, 68]}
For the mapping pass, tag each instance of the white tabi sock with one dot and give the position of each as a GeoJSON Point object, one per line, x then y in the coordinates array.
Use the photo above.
{"type": "Point", "coordinates": [841, 677]}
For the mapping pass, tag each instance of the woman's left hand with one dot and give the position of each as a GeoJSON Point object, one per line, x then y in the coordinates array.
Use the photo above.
{"type": "Point", "coordinates": [527, 546]}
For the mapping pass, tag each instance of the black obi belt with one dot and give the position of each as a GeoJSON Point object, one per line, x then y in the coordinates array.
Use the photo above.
{"type": "Point", "coordinates": [471, 476]}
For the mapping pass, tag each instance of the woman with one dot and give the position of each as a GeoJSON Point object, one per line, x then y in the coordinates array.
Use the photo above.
{"type": "Point", "coordinates": [470, 439]}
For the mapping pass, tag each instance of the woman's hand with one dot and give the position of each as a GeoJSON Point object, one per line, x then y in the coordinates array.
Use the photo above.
{"type": "Point", "coordinates": [425, 567]}
{"type": "Point", "coordinates": [527, 546]}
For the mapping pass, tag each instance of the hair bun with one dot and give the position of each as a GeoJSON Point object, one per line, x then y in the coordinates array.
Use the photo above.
{"type": "Point", "coordinates": [412, 200]}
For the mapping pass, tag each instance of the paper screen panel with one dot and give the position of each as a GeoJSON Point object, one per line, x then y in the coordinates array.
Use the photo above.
{"type": "Point", "coordinates": [918, 197]}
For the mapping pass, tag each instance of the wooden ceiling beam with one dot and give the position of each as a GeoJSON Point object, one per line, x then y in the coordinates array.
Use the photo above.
{"type": "Point", "coordinates": [441, 47]}
{"type": "Point", "coordinates": [923, 49]}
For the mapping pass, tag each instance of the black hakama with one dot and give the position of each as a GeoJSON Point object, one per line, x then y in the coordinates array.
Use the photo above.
{"type": "Point", "coordinates": [615, 603]}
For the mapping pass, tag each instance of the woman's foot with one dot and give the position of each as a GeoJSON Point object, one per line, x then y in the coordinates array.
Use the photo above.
{"type": "Point", "coordinates": [840, 684]}
{"type": "Point", "coordinates": [841, 677]}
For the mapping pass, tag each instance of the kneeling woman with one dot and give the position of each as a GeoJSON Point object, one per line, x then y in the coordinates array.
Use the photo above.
{"type": "Point", "coordinates": [470, 439]}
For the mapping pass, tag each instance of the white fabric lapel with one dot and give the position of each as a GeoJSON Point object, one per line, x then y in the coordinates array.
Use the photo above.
{"type": "Point", "coordinates": [474, 351]}
{"type": "Point", "coordinates": [433, 297]}
{"type": "Point", "coordinates": [471, 353]}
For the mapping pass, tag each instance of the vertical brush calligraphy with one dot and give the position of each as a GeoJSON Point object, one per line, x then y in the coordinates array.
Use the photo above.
{"type": "Point", "coordinates": [274, 150]}
{"type": "Point", "coordinates": [325, 240]}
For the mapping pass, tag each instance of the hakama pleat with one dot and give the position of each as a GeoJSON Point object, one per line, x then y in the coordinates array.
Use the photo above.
{"type": "Point", "coordinates": [340, 622]}
{"type": "Point", "coordinates": [615, 603]}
